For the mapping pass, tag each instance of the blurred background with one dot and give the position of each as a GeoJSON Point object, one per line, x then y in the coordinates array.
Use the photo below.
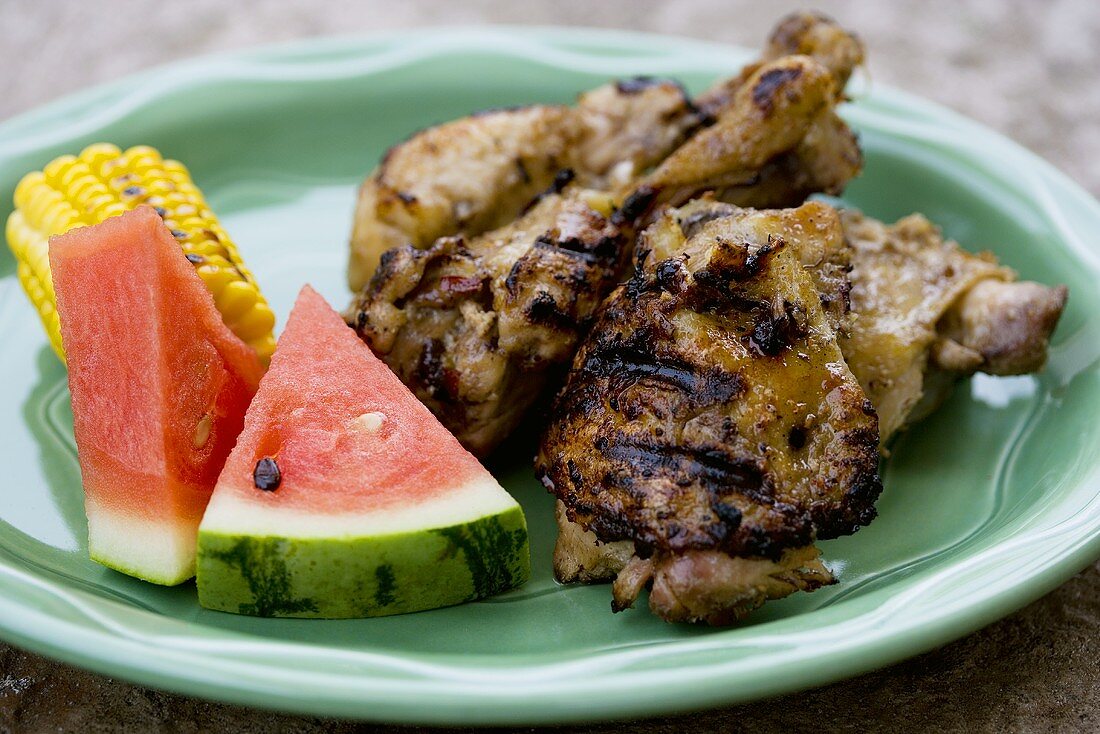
{"type": "Point", "coordinates": [1028, 69]}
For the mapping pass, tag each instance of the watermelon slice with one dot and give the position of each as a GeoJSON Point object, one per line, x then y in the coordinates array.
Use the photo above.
{"type": "Point", "coordinates": [159, 389]}
{"type": "Point", "coordinates": [345, 497]}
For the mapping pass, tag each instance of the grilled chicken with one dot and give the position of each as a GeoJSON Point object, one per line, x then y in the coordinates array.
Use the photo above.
{"type": "Point", "coordinates": [926, 312]}
{"type": "Point", "coordinates": [475, 326]}
{"type": "Point", "coordinates": [710, 420]}
{"type": "Point", "coordinates": [478, 173]}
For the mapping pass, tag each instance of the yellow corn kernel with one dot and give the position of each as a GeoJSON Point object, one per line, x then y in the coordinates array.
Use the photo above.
{"type": "Point", "coordinates": [102, 182]}
{"type": "Point", "coordinates": [255, 324]}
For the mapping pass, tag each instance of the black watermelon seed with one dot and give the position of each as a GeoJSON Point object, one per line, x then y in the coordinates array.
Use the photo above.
{"type": "Point", "coordinates": [195, 259]}
{"type": "Point", "coordinates": [266, 475]}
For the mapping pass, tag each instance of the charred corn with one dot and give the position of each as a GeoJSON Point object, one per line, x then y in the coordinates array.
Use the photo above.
{"type": "Point", "coordinates": [104, 181]}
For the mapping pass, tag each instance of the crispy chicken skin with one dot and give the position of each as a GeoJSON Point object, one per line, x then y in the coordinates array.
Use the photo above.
{"type": "Point", "coordinates": [926, 312]}
{"type": "Point", "coordinates": [710, 411]}
{"type": "Point", "coordinates": [475, 326]}
{"type": "Point", "coordinates": [479, 172]}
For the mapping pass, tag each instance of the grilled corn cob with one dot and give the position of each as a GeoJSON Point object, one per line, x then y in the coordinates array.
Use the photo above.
{"type": "Point", "coordinates": [102, 182]}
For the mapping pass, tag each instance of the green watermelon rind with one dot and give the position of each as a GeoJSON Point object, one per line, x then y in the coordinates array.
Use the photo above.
{"type": "Point", "coordinates": [373, 576]}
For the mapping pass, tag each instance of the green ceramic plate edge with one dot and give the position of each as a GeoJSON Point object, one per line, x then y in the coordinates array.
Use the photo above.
{"type": "Point", "coordinates": [608, 684]}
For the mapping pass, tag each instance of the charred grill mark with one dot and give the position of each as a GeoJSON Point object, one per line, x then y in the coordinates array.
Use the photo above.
{"type": "Point", "coordinates": [727, 513]}
{"type": "Point", "coordinates": [636, 206]}
{"type": "Point", "coordinates": [430, 372]}
{"type": "Point", "coordinates": [713, 286]}
{"type": "Point", "coordinates": [562, 178]}
{"type": "Point", "coordinates": [604, 251]}
{"type": "Point", "coordinates": [624, 364]}
{"type": "Point", "coordinates": [671, 275]}
{"type": "Point", "coordinates": [543, 310]}
{"type": "Point", "coordinates": [708, 467]}
{"type": "Point", "coordinates": [775, 331]}
{"type": "Point", "coordinates": [521, 169]}
{"type": "Point", "coordinates": [691, 224]}
{"type": "Point", "coordinates": [769, 85]}
{"type": "Point", "coordinates": [575, 475]}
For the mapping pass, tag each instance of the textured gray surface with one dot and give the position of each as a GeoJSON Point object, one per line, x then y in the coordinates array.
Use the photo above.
{"type": "Point", "coordinates": [1028, 69]}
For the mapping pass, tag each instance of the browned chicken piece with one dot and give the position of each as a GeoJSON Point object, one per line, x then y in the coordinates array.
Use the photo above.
{"type": "Point", "coordinates": [478, 173]}
{"type": "Point", "coordinates": [777, 141]}
{"type": "Point", "coordinates": [801, 33]}
{"type": "Point", "coordinates": [710, 416]}
{"type": "Point", "coordinates": [475, 326]}
{"type": "Point", "coordinates": [926, 312]}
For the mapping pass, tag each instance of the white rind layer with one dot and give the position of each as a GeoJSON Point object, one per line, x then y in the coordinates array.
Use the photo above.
{"type": "Point", "coordinates": [230, 513]}
{"type": "Point", "coordinates": [162, 552]}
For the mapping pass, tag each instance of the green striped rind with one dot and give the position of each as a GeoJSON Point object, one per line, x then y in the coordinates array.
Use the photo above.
{"type": "Point", "coordinates": [363, 577]}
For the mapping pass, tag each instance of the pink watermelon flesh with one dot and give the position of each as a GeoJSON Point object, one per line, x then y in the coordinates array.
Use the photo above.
{"type": "Point", "coordinates": [322, 380]}
{"type": "Point", "coordinates": [159, 390]}
{"type": "Point", "coordinates": [373, 491]}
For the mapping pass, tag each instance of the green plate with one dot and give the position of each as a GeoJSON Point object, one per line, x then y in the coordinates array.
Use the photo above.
{"type": "Point", "coordinates": [988, 505]}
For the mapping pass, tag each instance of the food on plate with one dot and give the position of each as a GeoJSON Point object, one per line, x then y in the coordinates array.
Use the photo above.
{"type": "Point", "coordinates": [345, 497]}
{"type": "Point", "coordinates": [103, 182]}
{"type": "Point", "coordinates": [727, 409]}
{"type": "Point", "coordinates": [481, 355]}
{"type": "Point", "coordinates": [476, 327]}
{"type": "Point", "coordinates": [926, 313]}
{"type": "Point", "coordinates": [480, 172]}
{"type": "Point", "coordinates": [159, 390]}
{"type": "Point", "coordinates": [735, 357]}
{"type": "Point", "coordinates": [710, 418]}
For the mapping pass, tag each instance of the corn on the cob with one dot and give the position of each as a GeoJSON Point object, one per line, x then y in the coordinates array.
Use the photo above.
{"type": "Point", "coordinates": [102, 182]}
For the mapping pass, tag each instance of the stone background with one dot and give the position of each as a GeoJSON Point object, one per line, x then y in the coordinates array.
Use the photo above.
{"type": "Point", "coordinates": [1029, 69]}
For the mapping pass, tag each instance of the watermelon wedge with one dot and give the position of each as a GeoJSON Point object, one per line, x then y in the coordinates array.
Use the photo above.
{"type": "Point", "coordinates": [345, 497]}
{"type": "Point", "coordinates": [159, 389]}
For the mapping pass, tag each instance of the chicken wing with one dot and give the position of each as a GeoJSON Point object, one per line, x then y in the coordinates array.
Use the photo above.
{"type": "Point", "coordinates": [926, 312]}
{"type": "Point", "coordinates": [778, 140]}
{"type": "Point", "coordinates": [710, 420]}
